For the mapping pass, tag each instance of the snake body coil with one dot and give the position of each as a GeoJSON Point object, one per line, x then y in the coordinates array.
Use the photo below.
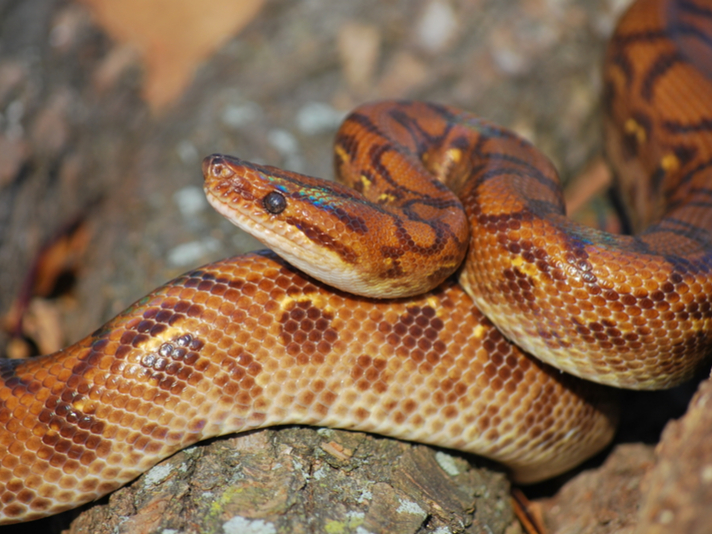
{"type": "Point", "coordinates": [250, 341]}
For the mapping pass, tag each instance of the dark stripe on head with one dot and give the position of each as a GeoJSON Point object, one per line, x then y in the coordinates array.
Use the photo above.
{"type": "Point", "coordinates": [657, 70]}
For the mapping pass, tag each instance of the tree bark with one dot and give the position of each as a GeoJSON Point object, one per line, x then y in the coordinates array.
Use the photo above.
{"type": "Point", "coordinates": [295, 479]}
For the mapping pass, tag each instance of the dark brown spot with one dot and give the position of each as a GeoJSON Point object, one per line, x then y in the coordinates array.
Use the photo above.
{"type": "Point", "coordinates": [306, 332]}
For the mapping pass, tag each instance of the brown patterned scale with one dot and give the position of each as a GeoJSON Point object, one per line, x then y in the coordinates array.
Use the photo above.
{"type": "Point", "coordinates": [250, 341]}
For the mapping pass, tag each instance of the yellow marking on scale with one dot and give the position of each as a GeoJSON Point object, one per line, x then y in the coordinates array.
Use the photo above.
{"type": "Point", "coordinates": [525, 267]}
{"type": "Point", "coordinates": [314, 299]}
{"type": "Point", "coordinates": [434, 303]}
{"type": "Point", "coordinates": [631, 126]}
{"type": "Point", "coordinates": [454, 154]}
{"type": "Point", "coordinates": [365, 182]}
{"type": "Point", "coordinates": [154, 342]}
{"type": "Point", "coordinates": [386, 197]}
{"type": "Point", "coordinates": [343, 155]}
{"type": "Point", "coordinates": [479, 331]}
{"type": "Point", "coordinates": [670, 163]}
{"type": "Point", "coordinates": [530, 269]}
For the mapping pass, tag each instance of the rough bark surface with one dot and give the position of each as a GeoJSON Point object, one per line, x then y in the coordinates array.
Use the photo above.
{"type": "Point", "coordinates": [306, 480]}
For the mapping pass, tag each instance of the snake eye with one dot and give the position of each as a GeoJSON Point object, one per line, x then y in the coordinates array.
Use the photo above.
{"type": "Point", "coordinates": [274, 202]}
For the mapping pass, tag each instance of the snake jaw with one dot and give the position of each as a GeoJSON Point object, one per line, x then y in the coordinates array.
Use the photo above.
{"type": "Point", "coordinates": [248, 216]}
{"type": "Point", "coordinates": [240, 191]}
{"type": "Point", "coordinates": [292, 245]}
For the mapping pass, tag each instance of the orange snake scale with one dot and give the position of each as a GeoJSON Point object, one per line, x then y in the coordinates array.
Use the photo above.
{"type": "Point", "coordinates": [250, 341]}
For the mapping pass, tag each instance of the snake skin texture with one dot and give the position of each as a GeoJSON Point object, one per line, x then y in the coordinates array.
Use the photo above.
{"type": "Point", "coordinates": [625, 311]}
{"type": "Point", "coordinates": [631, 312]}
{"type": "Point", "coordinates": [250, 341]}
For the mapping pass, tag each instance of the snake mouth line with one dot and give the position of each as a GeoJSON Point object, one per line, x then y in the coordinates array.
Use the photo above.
{"type": "Point", "coordinates": [283, 238]}
{"type": "Point", "coordinates": [290, 243]}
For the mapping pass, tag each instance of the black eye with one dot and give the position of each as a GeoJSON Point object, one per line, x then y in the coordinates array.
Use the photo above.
{"type": "Point", "coordinates": [274, 202]}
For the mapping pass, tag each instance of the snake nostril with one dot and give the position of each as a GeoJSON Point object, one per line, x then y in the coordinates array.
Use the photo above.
{"type": "Point", "coordinates": [216, 165]}
{"type": "Point", "coordinates": [274, 202]}
{"type": "Point", "coordinates": [208, 163]}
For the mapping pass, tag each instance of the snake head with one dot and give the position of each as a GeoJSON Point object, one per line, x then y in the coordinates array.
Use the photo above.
{"type": "Point", "coordinates": [310, 222]}
{"type": "Point", "coordinates": [334, 233]}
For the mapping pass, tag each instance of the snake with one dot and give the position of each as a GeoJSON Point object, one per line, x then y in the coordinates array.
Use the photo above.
{"type": "Point", "coordinates": [439, 295]}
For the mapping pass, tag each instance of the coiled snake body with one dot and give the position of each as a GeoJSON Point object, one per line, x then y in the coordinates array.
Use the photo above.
{"type": "Point", "coordinates": [250, 341]}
